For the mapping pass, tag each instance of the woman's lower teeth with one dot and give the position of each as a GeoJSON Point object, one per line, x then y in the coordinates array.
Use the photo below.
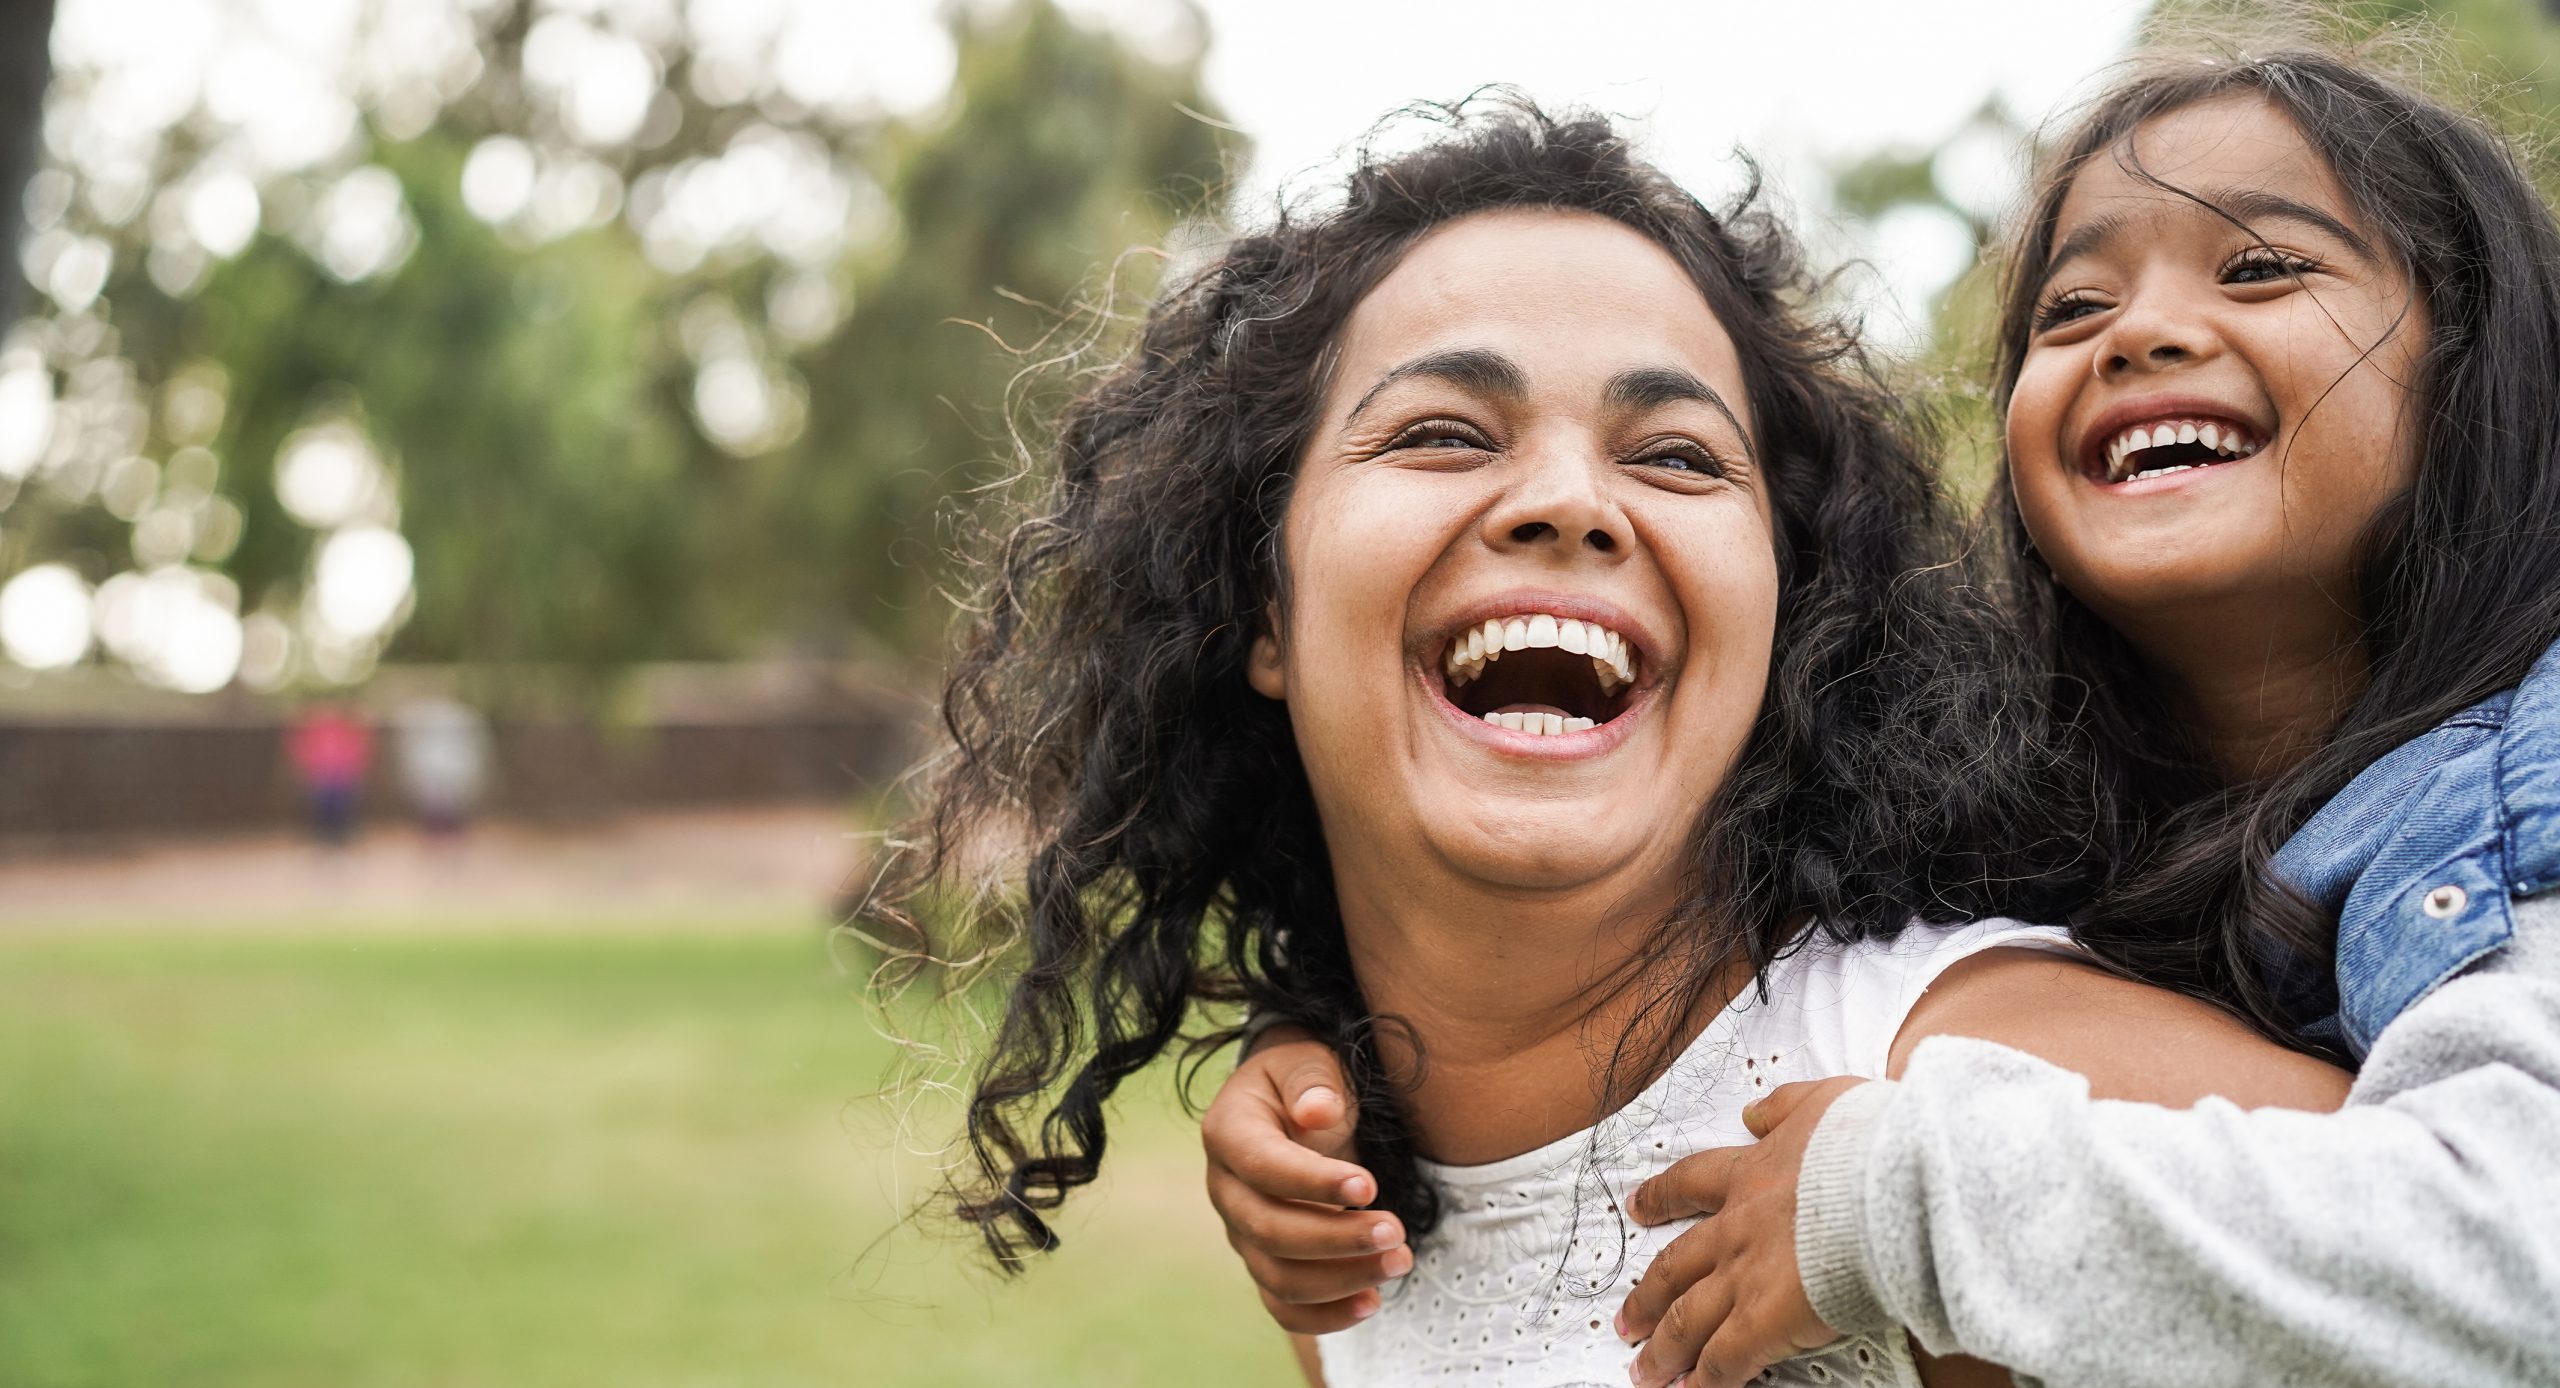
{"type": "Point", "coordinates": [1547, 724]}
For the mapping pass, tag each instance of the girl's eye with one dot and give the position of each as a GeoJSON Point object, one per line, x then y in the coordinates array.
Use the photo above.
{"type": "Point", "coordinates": [2264, 265]}
{"type": "Point", "coordinates": [2058, 309]}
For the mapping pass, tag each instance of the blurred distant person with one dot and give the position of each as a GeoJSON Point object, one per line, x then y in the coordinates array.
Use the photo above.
{"type": "Point", "coordinates": [444, 763]}
{"type": "Point", "coordinates": [330, 747]}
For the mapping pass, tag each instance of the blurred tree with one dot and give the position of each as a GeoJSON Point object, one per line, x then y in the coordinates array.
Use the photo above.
{"type": "Point", "coordinates": [1057, 131]}
{"type": "Point", "coordinates": [628, 340]}
{"type": "Point", "coordinates": [2500, 57]}
{"type": "Point", "coordinates": [1968, 175]}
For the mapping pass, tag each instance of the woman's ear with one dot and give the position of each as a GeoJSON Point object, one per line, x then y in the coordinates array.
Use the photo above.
{"type": "Point", "coordinates": [1263, 668]}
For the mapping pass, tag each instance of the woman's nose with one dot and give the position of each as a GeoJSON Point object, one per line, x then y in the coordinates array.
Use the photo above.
{"type": "Point", "coordinates": [1559, 504]}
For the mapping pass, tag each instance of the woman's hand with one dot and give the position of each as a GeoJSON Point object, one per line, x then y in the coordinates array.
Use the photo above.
{"type": "Point", "coordinates": [1276, 1136]}
{"type": "Point", "coordinates": [1723, 1300]}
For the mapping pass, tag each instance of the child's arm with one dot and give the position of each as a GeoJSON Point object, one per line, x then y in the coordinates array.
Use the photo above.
{"type": "Point", "coordinates": [2128, 1041]}
{"type": "Point", "coordinates": [1989, 1202]}
{"type": "Point", "coordinates": [1277, 1137]}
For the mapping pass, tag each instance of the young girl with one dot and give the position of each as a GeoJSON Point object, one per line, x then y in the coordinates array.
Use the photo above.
{"type": "Point", "coordinates": [2283, 475]}
{"type": "Point", "coordinates": [1488, 606]}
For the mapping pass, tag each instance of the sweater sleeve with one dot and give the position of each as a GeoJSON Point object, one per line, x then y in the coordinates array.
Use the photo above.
{"type": "Point", "coordinates": [1989, 1204]}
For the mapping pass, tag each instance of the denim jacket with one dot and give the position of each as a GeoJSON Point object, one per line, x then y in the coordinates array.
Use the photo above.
{"type": "Point", "coordinates": [2421, 855]}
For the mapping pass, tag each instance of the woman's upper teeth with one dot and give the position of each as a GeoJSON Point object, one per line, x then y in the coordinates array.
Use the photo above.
{"type": "Point", "coordinates": [2226, 439]}
{"type": "Point", "coordinates": [1612, 659]}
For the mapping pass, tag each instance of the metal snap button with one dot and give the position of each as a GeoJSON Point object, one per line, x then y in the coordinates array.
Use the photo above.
{"type": "Point", "coordinates": [2444, 901]}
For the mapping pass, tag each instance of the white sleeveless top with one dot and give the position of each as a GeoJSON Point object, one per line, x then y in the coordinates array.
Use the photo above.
{"type": "Point", "coordinates": [1520, 1284]}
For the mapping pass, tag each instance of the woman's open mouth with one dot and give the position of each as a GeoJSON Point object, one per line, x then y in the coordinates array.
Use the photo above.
{"type": "Point", "coordinates": [1540, 674]}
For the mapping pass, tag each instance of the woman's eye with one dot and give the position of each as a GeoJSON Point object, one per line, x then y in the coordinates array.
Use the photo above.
{"type": "Point", "coordinates": [1682, 458]}
{"type": "Point", "coordinates": [1437, 435]}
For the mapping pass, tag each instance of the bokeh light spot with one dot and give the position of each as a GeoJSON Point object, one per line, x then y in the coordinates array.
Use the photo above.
{"type": "Point", "coordinates": [44, 617]}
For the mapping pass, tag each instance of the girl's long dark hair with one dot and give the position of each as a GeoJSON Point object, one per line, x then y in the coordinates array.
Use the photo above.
{"type": "Point", "coordinates": [2459, 579]}
{"type": "Point", "coordinates": [1106, 748]}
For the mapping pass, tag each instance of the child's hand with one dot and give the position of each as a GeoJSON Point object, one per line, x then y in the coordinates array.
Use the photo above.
{"type": "Point", "coordinates": [1275, 1136]}
{"type": "Point", "coordinates": [1724, 1298]}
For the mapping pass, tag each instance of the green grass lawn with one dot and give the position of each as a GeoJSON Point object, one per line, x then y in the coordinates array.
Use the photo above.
{"type": "Point", "coordinates": [529, 1158]}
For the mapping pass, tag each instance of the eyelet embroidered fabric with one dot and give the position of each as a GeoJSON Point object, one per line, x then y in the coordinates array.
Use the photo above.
{"type": "Point", "coordinates": [1519, 1286]}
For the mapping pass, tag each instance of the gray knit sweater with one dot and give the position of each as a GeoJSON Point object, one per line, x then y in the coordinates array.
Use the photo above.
{"type": "Point", "coordinates": [1989, 1204]}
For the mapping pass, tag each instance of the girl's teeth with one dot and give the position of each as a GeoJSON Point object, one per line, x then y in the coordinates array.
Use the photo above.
{"type": "Point", "coordinates": [1515, 634]}
{"type": "Point", "coordinates": [2230, 443]}
{"type": "Point", "coordinates": [1542, 631]}
{"type": "Point", "coordinates": [1571, 635]}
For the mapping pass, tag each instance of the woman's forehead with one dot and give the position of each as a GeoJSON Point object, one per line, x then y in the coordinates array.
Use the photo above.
{"type": "Point", "coordinates": [1564, 294]}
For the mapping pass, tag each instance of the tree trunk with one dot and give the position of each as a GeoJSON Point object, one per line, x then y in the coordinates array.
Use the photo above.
{"type": "Point", "coordinates": [26, 65]}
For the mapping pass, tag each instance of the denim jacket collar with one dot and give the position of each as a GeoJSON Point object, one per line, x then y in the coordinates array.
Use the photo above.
{"type": "Point", "coordinates": [2420, 855]}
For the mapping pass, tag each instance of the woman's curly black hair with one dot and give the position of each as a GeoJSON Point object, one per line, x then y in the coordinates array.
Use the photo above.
{"type": "Point", "coordinates": [1105, 744]}
{"type": "Point", "coordinates": [2459, 580]}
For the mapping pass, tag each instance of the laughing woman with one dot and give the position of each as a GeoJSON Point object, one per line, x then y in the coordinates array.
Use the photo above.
{"type": "Point", "coordinates": [1486, 622]}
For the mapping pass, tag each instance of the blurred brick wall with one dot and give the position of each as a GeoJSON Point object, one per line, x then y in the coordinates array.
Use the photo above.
{"type": "Point", "coordinates": [66, 779]}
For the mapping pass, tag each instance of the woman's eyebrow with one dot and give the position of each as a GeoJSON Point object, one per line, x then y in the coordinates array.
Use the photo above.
{"type": "Point", "coordinates": [1479, 369]}
{"type": "Point", "coordinates": [1647, 387]}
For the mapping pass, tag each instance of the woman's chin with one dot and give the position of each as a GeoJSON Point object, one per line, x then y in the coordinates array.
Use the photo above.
{"type": "Point", "coordinates": [1541, 848]}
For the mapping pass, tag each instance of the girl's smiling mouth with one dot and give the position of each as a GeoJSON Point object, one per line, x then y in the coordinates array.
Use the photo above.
{"type": "Point", "coordinates": [2144, 440]}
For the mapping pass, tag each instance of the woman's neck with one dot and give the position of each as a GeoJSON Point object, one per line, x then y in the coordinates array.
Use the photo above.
{"type": "Point", "coordinates": [1517, 1006]}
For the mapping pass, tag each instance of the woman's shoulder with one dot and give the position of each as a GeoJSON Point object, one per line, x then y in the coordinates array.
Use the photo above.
{"type": "Point", "coordinates": [1844, 1001]}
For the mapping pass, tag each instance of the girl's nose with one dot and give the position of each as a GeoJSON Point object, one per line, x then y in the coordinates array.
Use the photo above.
{"type": "Point", "coordinates": [2149, 339]}
{"type": "Point", "coordinates": [1560, 504]}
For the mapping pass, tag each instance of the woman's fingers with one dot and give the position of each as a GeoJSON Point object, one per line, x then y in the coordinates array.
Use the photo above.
{"type": "Point", "coordinates": [1694, 1185]}
{"type": "Point", "coordinates": [1679, 1265]}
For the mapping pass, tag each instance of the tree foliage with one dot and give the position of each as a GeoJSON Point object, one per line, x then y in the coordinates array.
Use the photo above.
{"type": "Point", "coordinates": [606, 444]}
